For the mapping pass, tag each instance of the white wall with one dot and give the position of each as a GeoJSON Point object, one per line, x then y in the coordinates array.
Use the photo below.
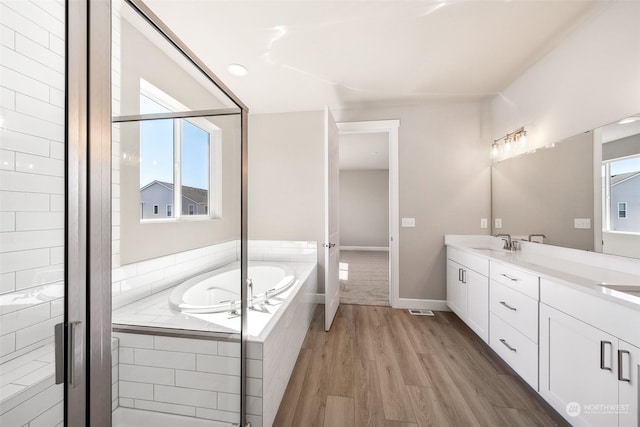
{"type": "Point", "coordinates": [364, 208]}
{"type": "Point", "coordinates": [590, 79]}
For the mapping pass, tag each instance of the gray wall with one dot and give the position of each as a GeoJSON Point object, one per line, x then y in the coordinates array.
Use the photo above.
{"type": "Point", "coordinates": [629, 146]}
{"type": "Point", "coordinates": [444, 181]}
{"type": "Point", "coordinates": [543, 192]}
{"type": "Point", "coordinates": [286, 178]}
{"type": "Point", "coordinates": [140, 58]}
{"type": "Point", "coordinates": [364, 208]}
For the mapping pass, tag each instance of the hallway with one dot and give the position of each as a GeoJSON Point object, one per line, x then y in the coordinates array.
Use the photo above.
{"type": "Point", "coordinates": [364, 277]}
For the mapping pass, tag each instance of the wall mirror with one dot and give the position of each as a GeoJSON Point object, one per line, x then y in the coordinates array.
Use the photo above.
{"type": "Point", "coordinates": [582, 192]}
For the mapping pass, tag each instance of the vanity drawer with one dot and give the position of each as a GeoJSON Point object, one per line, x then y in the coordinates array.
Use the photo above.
{"type": "Point", "coordinates": [514, 348]}
{"type": "Point", "coordinates": [515, 278]}
{"type": "Point", "coordinates": [515, 308]}
{"type": "Point", "coordinates": [473, 262]}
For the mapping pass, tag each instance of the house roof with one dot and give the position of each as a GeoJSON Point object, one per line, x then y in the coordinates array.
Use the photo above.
{"type": "Point", "coordinates": [198, 195]}
{"type": "Point", "coordinates": [617, 179]}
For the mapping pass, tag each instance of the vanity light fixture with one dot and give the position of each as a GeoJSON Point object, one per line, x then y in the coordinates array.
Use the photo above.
{"type": "Point", "coordinates": [506, 143]}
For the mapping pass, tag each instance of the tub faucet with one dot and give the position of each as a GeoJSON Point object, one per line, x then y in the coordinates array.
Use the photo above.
{"type": "Point", "coordinates": [507, 241]}
{"type": "Point", "coordinates": [542, 236]}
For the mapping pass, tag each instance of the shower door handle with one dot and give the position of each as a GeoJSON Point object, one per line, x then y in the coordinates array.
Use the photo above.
{"type": "Point", "coordinates": [72, 334]}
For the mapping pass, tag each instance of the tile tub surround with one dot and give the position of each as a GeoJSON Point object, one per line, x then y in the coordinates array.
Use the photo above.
{"type": "Point", "coordinates": [139, 280]}
{"type": "Point", "coordinates": [200, 377]}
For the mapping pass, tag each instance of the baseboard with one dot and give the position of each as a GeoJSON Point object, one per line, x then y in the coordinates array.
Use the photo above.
{"type": "Point", "coordinates": [316, 298]}
{"type": "Point", "coordinates": [365, 248]}
{"type": "Point", "coordinates": [428, 304]}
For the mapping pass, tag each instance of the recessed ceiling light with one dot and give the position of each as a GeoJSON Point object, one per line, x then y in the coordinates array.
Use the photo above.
{"type": "Point", "coordinates": [237, 70]}
{"type": "Point", "coordinates": [629, 120]}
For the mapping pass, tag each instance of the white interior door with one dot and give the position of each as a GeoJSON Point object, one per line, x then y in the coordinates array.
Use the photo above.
{"type": "Point", "coordinates": [331, 228]}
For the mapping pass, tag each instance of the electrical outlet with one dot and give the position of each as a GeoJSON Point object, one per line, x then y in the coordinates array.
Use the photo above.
{"type": "Point", "coordinates": [483, 223]}
{"type": "Point", "coordinates": [498, 222]}
{"type": "Point", "coordinates": [408, 222]}
{"type": "Point", "coordinates": [582, 223]}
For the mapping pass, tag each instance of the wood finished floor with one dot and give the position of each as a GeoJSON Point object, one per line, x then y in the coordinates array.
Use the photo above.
{"type": "Point", "coordinates": [364, 277]}
{"type": "Point", "coordinates": [380, 366]}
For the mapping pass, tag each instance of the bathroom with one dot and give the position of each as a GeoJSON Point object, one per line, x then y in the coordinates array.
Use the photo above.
{"type": "Point", "coordinates": [113, 269]}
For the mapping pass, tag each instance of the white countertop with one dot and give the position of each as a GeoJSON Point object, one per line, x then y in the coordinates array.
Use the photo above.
{"type": "Point", "coordinates": [581, 270]}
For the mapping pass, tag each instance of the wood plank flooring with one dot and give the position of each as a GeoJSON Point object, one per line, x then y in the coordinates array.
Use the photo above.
{"type": "Point", "coordinates": [380, 366]}
{"type": "Point", "coordinates": [364, 277]}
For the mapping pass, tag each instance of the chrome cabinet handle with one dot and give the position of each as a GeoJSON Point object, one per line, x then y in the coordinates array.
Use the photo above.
{"type": "Point", "coordinates": [506, 344]}
{"type": "Point", "coordinates": [464, 276]}
{"type": "Point", "coordinates": [602, 365]}
{"type": "Point", "coordinates": [620, 373]}
{"type": "Point", "coordinates": [459, 275]}
{"type": "Point", "coordinates": [513, 279]}
{"type": "Point", "coordinates": [508, 306]}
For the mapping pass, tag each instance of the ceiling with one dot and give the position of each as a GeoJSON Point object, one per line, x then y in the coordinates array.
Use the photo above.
{"type": "Point", "coordinates": [303, 55]}
{"type": "Point", "coordinates": [364, 151]}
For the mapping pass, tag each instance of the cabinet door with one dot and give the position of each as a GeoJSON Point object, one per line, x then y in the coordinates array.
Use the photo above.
{"type": "Point", "coordinates": [628, 385]}
{"type": "Point", "coordinates": [456, 290]}
{"type": "Point", "coordinates": [478, 303]}
{"type": "Point", "coordinates": [577, 369]}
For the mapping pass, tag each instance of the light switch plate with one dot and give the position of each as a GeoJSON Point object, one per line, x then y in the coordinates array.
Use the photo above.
{"type": "Point", "coordinates": [582, 223]}
{"type": "Point", "coordinates": [498, 222]}
{"type": "Point", "coordinates": [483, 223]}
{"type": "Point", "coordinates": [408, 222]}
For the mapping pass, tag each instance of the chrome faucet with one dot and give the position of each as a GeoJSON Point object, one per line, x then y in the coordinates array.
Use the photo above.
{"type": "Point", "coordinates": [537, 235]}
{"type": "Point", "coordinates": [507, 242]}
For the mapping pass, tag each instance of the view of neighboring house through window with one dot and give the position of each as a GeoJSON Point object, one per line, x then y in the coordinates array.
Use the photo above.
{"type": "Point", "coordinates": [622, 210]}
{"type": "Point", "coordinates": [173, 151]}
{"type": "Point", "coordinates": [621, 194]}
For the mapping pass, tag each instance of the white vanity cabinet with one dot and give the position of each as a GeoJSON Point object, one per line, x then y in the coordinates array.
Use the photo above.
{"type": "Point", "coordinates": [513, 297]}
{"type": "Point", "coordinates": [588, 375]}
{"type": "Point", "coordinates": [468, 289]}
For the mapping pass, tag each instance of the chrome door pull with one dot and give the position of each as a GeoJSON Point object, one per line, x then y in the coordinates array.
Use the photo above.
{"type": "Point", "coordinates": [620, 373]}
{"type": "Point", "coordinates": [602, 365]}
{"type": "Point", "coordinates": [513, 279]}
{"type": "Point", "coordinates": [508, 306]}
{"type": "Point", "coordinates": [506, 344]}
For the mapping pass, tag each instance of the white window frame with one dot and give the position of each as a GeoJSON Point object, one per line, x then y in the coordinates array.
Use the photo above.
{"type": "Point", "coordinates": [215, 156]}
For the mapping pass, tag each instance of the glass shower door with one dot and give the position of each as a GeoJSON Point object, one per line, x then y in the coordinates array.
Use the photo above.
{"type": "Point", "coordinates": [32, 209]}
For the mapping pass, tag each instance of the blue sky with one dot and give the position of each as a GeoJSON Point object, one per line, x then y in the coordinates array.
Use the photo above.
{"type": "Point", "coordinates": [631, 164]}
{"type": "Point", "coordinates": [156, 149]}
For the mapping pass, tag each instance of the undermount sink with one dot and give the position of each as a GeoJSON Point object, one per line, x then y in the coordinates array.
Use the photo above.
{"type": "Point", "coordinates": [627, 289]}
{"type": "Point", "coordinates": [493, 252]}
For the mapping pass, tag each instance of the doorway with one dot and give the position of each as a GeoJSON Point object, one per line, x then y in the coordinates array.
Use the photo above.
{"type": "Point", "coordinates": [369, 212]}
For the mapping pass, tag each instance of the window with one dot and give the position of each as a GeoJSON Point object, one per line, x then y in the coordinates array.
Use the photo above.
{"type": "Point", "coordinates": [179, 160]}
{"type": "Point", "coordinates": [622, 210]}
{"type": "Point", "coordinates": [156, 209]}
{"type": "Point", "coordinates": [621, 194]}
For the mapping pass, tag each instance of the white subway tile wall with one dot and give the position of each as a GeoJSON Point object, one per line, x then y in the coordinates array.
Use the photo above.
{"type": "Point", "coordinates": [183, 376]}
{"type": "Point", "coordinates": [32, 117]}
